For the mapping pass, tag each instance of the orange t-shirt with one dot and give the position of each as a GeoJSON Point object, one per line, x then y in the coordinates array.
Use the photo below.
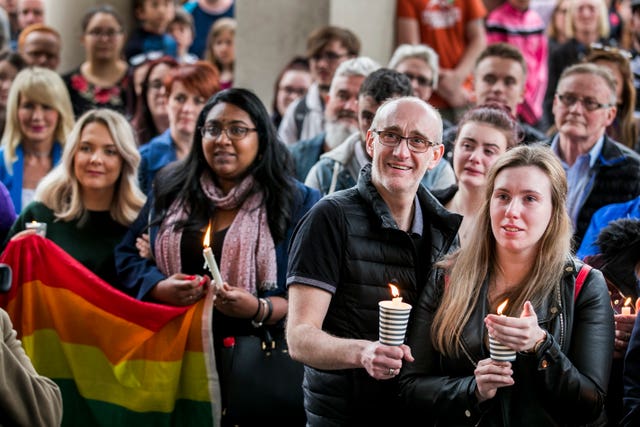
{"type": "Point", "coordinates": [442, 27]}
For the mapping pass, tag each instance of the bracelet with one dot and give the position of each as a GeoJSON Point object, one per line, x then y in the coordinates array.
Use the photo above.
{"type": "Point", "coordinates": [257, 324]}
{"type": "Point", "coordinates": [538, 344]}
{"type": "Point", "coordinates": [258, 310]}
{"type": "Point", "coordinates": [269, 309]}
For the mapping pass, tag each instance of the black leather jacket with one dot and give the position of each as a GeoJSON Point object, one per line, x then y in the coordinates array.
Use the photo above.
{"type": "Point", "coordinates": [562, 384]}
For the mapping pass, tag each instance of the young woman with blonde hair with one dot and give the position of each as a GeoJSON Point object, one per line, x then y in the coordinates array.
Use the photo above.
{"type": "Point", "coordinates": [560, 331]}
{"type": "Point", "coordinates": [91, 198]}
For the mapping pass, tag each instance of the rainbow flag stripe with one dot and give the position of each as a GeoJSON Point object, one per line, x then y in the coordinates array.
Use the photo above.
{"type": "Point", "coordinates": [117, 360]}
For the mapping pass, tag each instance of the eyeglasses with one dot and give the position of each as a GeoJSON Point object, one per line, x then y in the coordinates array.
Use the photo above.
{"type": "Point", "coordinates": [417, 144]}
{"type": "Point", "coordinates": [110, 33]}
{"type": "Point", "coordinates": [290, 90]}
{"type": "Point", "coordinates": [589, 104]}
{"type": "Point", "coordinates": [328, 56]}
{"type": "Point", "coordinates": [233, 132]}
{"type": "Point", "coordinates": [595, 47]}
{"type": "Point", "coordinates": [422, 81]}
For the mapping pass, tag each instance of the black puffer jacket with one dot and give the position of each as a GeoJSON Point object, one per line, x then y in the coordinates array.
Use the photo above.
{"type": "Point", "coordinates": [563, 384]}
{"type": "Point", "coordinates": [374, 251]}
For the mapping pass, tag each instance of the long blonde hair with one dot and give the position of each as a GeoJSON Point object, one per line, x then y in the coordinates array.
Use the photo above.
{"type": "Point", "coordinates": [469, 266]}
{"type": "Point", "coordinates": [42, 86]}
{"type": "Point", "coordinates": [60, 190]}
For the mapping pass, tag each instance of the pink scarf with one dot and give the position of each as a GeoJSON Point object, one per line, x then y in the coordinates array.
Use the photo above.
{"type": "Point", "coordinates": [248, 253]}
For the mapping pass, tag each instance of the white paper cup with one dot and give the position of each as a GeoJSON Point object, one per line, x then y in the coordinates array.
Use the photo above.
{"type": "Point", "coordinates": [393, 319]}
{"type": "Point", "coordinates": [40, 227]}
{"type": "Point", "coordinates": [500, 352]}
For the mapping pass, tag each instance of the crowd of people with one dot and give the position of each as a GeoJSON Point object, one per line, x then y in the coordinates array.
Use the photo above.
{"type": "Point", "coordinates": [491, 161]}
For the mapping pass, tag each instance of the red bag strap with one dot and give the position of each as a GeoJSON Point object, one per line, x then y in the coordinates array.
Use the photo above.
{"type": "Point", "coordinates": [582, 274]}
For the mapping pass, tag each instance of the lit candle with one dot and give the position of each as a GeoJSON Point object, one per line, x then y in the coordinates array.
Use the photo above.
{"type": "Point", "coordinates": [497, 350]}
{"type": "Point", "coordinates": [396, 300]}
{"type": "Point", "coordinates": [40, 227]}
{"type": "Point", "coordinates": [210, 260]}
{"type": "Point", "coordinates": [502, 306]}
{"type": "Point", "coordinates": [626, 308]}
{"type": "Point", "coordinates": [393, 316]}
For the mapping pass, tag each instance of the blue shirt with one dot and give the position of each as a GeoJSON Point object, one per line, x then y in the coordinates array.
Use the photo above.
{"type": "Point", "coordinates": [580, 176]}
{"type": "Point", "coordinates": [202, 21]}
{"type": "Point", "coordinates": [13, 181]}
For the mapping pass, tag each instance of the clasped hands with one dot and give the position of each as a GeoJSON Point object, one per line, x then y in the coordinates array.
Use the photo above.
{"type": "Point", "coordinates": [518, 333]}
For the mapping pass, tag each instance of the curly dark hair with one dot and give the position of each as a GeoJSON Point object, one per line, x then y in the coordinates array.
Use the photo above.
{"type": "Point", "coordinates": [620, 238]}
{"type": "Point", "coordinates": [619, 244]}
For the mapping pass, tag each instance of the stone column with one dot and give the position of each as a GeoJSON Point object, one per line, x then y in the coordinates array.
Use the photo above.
{"type": "Point", "coordinates": [272, 32]}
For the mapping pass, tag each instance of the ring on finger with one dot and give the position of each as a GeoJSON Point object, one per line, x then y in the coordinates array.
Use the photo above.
{"type": "Point", "coordinates": [392, 372]}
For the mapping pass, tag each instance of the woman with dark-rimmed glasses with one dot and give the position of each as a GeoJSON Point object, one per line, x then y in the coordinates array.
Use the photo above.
{"type": "Point", "coordinates": [238, 180]}
{"type": "Point", "coordinates": [102, 80]}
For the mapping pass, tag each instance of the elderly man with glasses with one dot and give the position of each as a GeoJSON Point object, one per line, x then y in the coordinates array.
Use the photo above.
{"type": "Point", "coordinates": [599, 170]}
{"type": "Point", "coordinates": [345, 252]}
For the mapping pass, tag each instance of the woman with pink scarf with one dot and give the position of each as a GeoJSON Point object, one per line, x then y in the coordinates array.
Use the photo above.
{"type": "Point", "coordinates": [238, 179]}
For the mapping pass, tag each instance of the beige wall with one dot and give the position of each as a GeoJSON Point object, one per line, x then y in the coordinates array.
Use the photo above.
{"type": "Point", "coordinates": [271, 32]}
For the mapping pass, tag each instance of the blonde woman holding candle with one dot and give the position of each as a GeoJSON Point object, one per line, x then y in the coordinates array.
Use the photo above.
{"type": "Point", "coordinates": [518, 250]}
{"type": "Point", "coordinates": [91, 198]}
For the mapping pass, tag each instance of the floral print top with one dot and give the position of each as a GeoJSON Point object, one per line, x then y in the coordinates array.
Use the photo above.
{"type": "Point", "coordinates": [85, 95]}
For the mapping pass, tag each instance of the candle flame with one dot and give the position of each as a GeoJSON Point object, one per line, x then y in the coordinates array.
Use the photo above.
{"type": "Point", "coordinates": [207, 237]}
{"type": "Point", "coordinates": [627, 302]}
{"type": "Point", "coordinates": [502, 306]}
{"type": "Point", "coordinates": [394, 291]}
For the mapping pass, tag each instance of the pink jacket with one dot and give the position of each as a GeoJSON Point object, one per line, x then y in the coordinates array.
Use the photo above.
{"type": "Point", "coordinates": [524, 30]}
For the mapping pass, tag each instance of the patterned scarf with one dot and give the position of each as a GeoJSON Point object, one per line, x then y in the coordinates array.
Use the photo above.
{"type": "Point", "coordinates": [248, 254]}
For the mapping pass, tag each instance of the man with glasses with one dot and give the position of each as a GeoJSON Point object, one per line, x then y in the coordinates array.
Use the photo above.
{"type": "Point", "coordinates": [338, 169]}
{"type": "Point", "coordinates": [340, 114]}
{"type": "Point", "coordinates": [599, 170]}
{"type": "Point", "coordinates": [346, 251]}
{"type": "Point", "coordinates": [420, 64]}
{"type": "Point", "coordinates": [327, 48]}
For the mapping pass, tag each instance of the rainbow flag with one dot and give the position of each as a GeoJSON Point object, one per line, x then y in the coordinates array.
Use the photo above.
{"type": "Point", "coordinates": [117, 360]}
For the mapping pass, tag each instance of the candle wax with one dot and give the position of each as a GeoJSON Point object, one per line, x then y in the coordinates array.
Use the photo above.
{"type": "Point", "coordinates": [213, 266]}
{"type": "Point", "coordinates": [626, 310]}
{"type": "Point", "coordinates": [393, 304]}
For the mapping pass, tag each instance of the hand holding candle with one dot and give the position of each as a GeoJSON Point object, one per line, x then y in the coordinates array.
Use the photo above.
{"type": "Point", "coordinates": [393, 317]}
{"type": "Point", "coordinates": [210, 260]}
{"type": "Point", "coordinates": [40, 227]}
{"type": "Point", "coordinates": [498, 351]}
